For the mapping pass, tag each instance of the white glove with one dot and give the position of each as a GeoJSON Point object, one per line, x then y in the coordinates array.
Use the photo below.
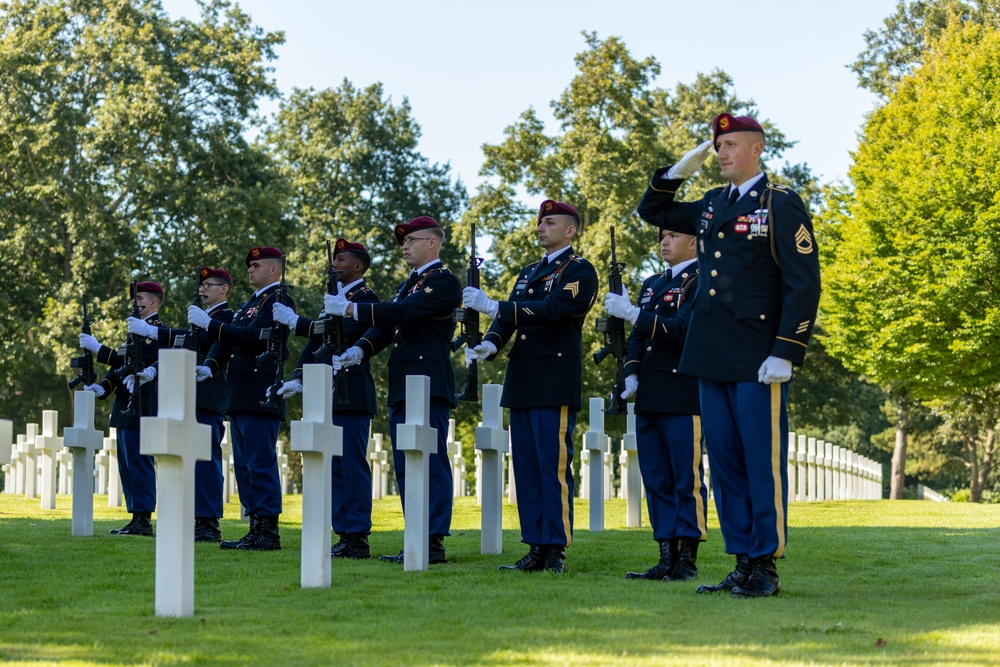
{"type": "Point", "coordinates": [202, 373]}
{"type": "Point", "coordinates": [476, 299]}
{"type": "Point", "coordinates": [288, 389]}
{"type": "Point", "coordinates": [631, 386]}
{"type": "Point", "coordinates": [89, 343]}
{"type": "Point", "coordinates": [335, 304]}
{"type": "Point", "coordinates": [619, 305]}
{"type": "Point", "coordinates": [691, 162]}
{"type": "Point", "coordinates": [351, 357]}
{"type": "Point", "coordinates": [480, 352]}
{"type": "Point", "coordinates": [96, 388]}
{"type": "Point", "coordinates": [775, 370]}
{"type": "Point", "coordinates": [198, 317]}
{"type": "Point", "coordinates": [147, 374]}
{"type": "Point", "coordinates": [130, 384]}
{"type": "Point", "coordinates": [141, 327]}
{"type": "Point", "coordinates": [283, 314]}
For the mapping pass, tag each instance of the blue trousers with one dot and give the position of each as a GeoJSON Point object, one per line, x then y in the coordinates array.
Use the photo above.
{"type": "Point", "coordinates": [542, 455]}
{"type": "Point", "coordinates": [669, 448]}
{"type": "Point", "coordinates": [208, 474]}
{"type": "Point", "coordinates": [352, 476]}
{"type": "Point", "coordinates": [441, 486]}
{"type": "Point", "coordinates": [255, 462]}
{"type": "Point", "coordinates": [746, 434]}
{"type": "Point", "coordinates": [137, 472]}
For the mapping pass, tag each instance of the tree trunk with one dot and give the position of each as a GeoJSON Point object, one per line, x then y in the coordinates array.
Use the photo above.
{"type": "Point", "coordinates": [898, 478]}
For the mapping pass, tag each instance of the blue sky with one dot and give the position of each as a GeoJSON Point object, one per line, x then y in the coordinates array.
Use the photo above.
{"type": "Point", "coordinates": [470, 68]}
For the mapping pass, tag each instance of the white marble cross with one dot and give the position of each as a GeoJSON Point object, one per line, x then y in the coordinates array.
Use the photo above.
{"type": "Point", "coordinates": [113, 479]}
{"type": "Point", "coordinates": [227, 468]}
{"type": "Point", "coordinates": [18, 457]}
{"type": "Point", "coordinates": [511, 482]}
{"type": "Point", "coordinates": [47, 444]}
{"type": "Point", "coordinates": [65, 460]}
{"type": "Point", "coordinates": [631, 478]}
{"type": "Point", "coordinates": [378, 457]}
{"type": "Point", "coordinates": [316, 436]}
{"type": "Point", "coordinates": [177, 440]}
{"type": "Point", "coordinates": [83, 440]}
{"type": "Point", "coordinates": [30, 462]}
{"type": "Point", "coordinates": [6, 452]}
{"type": "Point", "coordinates": [596, 443]}
{"type": "Point", "coordinates": [491, 442]}
{"type": "Point", "coordinates": [417, 440]}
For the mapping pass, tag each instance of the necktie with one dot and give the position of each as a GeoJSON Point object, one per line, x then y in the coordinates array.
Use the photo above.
{"type": "Point", "coordinates": [733, 196]}
{"type": "Point", "coordinates": [668, 275]}
{"type": "Point", "coordinates": [545, 262]}
{"type": "Point", "coordinates": [410, 282]}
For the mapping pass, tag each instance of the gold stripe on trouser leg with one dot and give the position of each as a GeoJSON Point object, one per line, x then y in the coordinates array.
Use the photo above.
{"type": "Point", "coordinates": [699, 504]}
{"type": "Point", "coordinates": [779, 506]}
{"type": "Point", "coordinates": [563, 419]}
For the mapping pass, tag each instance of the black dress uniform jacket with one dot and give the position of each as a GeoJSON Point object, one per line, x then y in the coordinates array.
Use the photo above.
{"type": "Point", "coordinates": [360, 384]}
{"type": "Point", "coordinates": [148, 396]}
{"type": "Point", "coordinates": [759, 285]}
{"type": "Point", "coordinates": [239, 343]}
{"type": "Point", "coordinates": [656, 341]}
{"type": "Point", "coordinates": [546, 310]}
{"type": "Point", "coordinates": [419, 323]}
{"type": "Point", "coordinates": [210, 393]}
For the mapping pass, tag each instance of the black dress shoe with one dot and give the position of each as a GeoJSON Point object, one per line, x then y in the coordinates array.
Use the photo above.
{"type": "Point", "coordinates": [737, 577]}
{"type": "Point", "coordinates": [251, 535]}
{"type": "Point", "coordinates": [668, 552]}
{"type": "Point", "coordinates": [141, 525]}
{"type": "Point", "coordinates": [124, 529]}
{"type": "Point", "coordinates": [555, 558]}
{"type": "Point", "coordinates": [392, 559]}
{"type": "Point", "coordinates": [685, 567]}
{"type": "Point", "coordinates": [763, 581]}
{"type": "Point", "coordinates": [533, 561]}
{"type": "Point", "coordinates": [352, 545]}
{"type": "Point", "coordinates": [207, 530]}
{"type": "Point", "coordinates": [266, 539]}
{"type": "Point", "coordinates": [435, 553]}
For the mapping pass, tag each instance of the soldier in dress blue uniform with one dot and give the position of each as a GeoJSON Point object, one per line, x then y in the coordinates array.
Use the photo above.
{"type": "Point", "coordinates": [136, 470]}
{"type": "Point", "coordinates": [418, 324]}
{"type": "Point", "coordinates": [753, 314]}
{"type": "Point", "coordinates": [214, 286]}
{"type": "Point", "coordinates": [351, 473]}
{"type": "Point", "coordinates": [668, 422]}
{"type": "Point", "coordinates": [254, 425]}
{"type": "Point", "coordinates": [544, 382]}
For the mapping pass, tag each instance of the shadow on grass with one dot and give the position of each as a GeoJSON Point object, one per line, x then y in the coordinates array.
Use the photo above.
{"type": "Point", "coordinates": [851, 595]}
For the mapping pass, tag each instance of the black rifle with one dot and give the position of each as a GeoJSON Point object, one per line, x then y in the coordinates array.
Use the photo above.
{"type": "Point", "coordinates": [132, 352]}
{"type": "Point", "coordinates": [332, 328]}
{"type": "Point", "coordinates": [471, 334]}
{"type": "Point", "coordinates": [85, 362]}
{"type": "Point", "coordinates": [277, 345]}
{"type": "Point", "coordinates": [189, 340]}
{"type": "Point", "coordinates": [613, 329]}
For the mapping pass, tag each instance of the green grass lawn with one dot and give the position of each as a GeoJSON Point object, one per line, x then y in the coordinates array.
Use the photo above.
{"type": "Point", "coordinates": [906, 582]}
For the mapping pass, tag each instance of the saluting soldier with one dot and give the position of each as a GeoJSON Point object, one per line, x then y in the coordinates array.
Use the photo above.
{"type": "Point", "coordinates": [668, 425]}
{"type": "Point", "coordinates": [254, 425]}
{"type": "Point", "coordinates": [351, 473]}
{"type": "Point", "coordinates": [136, 470]}
{"type": "Point", "coordinates": [418, 324]}
{"type": "Point", "coordinates": [755, 308]}
{"type": "Point", "coordinates": [544, 381]}
{"type": "Point", "coordinates": [214, 286]}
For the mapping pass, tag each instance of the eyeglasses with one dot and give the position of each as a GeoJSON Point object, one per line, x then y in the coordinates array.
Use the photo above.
{"type": "Point", "coordinates": [410, 240]}
{"type": "Point", "coordinates": [214, 284]}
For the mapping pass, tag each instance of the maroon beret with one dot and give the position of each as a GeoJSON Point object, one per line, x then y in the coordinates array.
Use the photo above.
{"type": "Point", "coordinates": [343, 244]}
{"type": "Point", "coordinates": [146, 286]}
{"type": "Point", "coordinates": [208, 272]}
{"type": "Point", "coordinates": [422, 222]}
{"type": "Point", "coordinates": [550, 207]}
{"type": "Point", "coordinates": [263, 252]}
{"type": "Point", "coordinates": [725, 123]}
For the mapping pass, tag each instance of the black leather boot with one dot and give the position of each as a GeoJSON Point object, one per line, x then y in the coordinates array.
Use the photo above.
{"type": "Point", "coordinates": [668, 552]}
{"type": "Point", "coordinates": [142, 524]}
{"type": "Point", "coordinates": [763, 581]}
{"type": "Point", "coordinates": [436, 553]}
{"type": "Point", "coordinates": [124, 529]}
{"type": "Point", "coordinates": [685, 563]}
{"type": "Point", "coordinates": [207, 530]}
{"type": "Point", "coordinates": [267, 538]}
{"type": "Point", "coordinates": [737, 577]}
{"type": "Point", "coordinates": [251, 535]}
{"type": "Point", "coordinates": [533, 561]}
{"type": "Point", "coordinates": [555, 558]}
{"type": "Point", "coordinates": [352, 545]}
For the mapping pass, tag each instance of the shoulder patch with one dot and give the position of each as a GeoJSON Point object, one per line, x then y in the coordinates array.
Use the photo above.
{"type": "Point", "coordinates": [777, 187]}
